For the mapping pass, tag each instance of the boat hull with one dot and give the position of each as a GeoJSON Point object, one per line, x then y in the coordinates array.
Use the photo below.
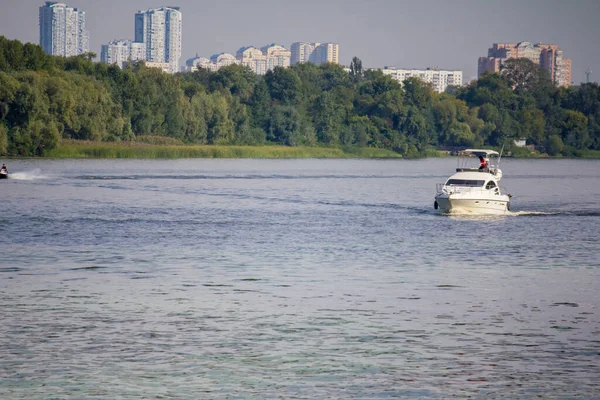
{"type": "Point", "coordinates": [455, 205]}
{"type": "Point", "coordinates": [3, 175]}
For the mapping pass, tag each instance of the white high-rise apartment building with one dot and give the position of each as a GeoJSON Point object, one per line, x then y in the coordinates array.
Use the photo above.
{"type": "Point", "coordinates": [317, 53]}
{"type": "Point", "coordinates": [159, 29]}
{"type": "Point", "coordinates": [62, 30]}
{"type": "Point", "coordinates": [121, 52]}
{"type": "Point", "coordinates": [301, 52]}
{"type": "Point", "coordinates": [277, 56]}
{"type": "Point", "coordinates": [440, 79]}
{"type": "Point", "coordinates": [325, 53]}
{"type": "Point", "coordinates": [254, 58]}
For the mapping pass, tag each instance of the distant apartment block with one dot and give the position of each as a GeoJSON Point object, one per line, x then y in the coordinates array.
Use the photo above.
{"type": "Point", "coordinates": [62, 30]}
{"type": "Point", "coordinates": [548, 56]}
{"type": "Point", "coordinates": [258, 60]}
{"type": "Point", "coordinates": [317, 53]}
{"type": "Point", "coordinates": [121, 52]}
{"type": "Point", "coordinates": [213, 63]}
{"type": "Point", "coordinates": [266, 58]}
{"type": "Point", "coordinates": [439, 79]}
{"type": "Point", "coordinates": [325, 53]}
{"type": "Point", "coordinates": [159, 29]}
{"type": "Point", "coordinates": [253, 58]}
{"type": "Point", "coordinates": [276, 56]}
{"type": "Point", "coordinates": [165, 67]}
{"type": "Point", "coordinates": [301, 52]}
{"type": "Point", "coordinates": [195, 63]}
{"type": "Point", "coordinates": [223, 60]}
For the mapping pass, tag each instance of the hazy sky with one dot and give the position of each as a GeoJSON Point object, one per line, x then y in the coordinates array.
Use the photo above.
{"type": "Point", "coordinates": [449, 34]}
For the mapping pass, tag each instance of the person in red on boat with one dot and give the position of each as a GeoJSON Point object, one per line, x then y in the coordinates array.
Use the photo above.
{"type": "Point", "coordinates": [483, 165]}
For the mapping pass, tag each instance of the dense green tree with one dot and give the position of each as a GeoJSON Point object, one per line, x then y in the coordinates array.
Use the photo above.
{"type": "Point", "coordinates": [43, 135]}
{"type": "Point", "coordinates": [356, 69]}
{"type": "Point", "coordinates": [12, 56]}
{"type": "Point", "coordinates": [237, 79]}
{"type": "Point", "coordinates": [522, 73]}
{"type": "Point", "coordinates": [196, 127]}
{"type": "Point", "coordinates": [310, 78]}
{"type": "Point", "coordinates": [575, 130]}
{"type": "Point", "coordinates": [327, 117]}
{"type": "Point", "coordinates": [8, 88]}
{"type": "Point", "coordinates": [359, 131]}
{"type": "Point", "coordinates": [418, 93]}
{"type": "Point", "coordinates": [415, 128]}
{"type": "Point", "coordinates": [220, 128]}
{"type": "Point", "coordinates": [554, 145]}
{"type": "Point", "coordinates": [260, 104]}
{"type": "Point", "coordinates": [333, 76]}
{"type": "Point", "coordinates": [3, 139]}
{"type": "Point", "coordinates": [285, 126]}
{"type": "Point", "coordinates": [244, 132]}
{"type": "Point", "coordinates": [585, 99]}
{"type": "Point", "coordinates": [284, 85]}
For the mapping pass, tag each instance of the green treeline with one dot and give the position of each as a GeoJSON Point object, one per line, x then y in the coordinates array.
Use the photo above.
{"type": "Point", "coordinates": [44, 99]}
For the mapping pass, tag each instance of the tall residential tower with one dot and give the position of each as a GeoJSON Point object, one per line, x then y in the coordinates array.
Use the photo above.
{"type": "Point", "coordinates": [325, 53]}
{"type": "Point", "coordinates": [160, 31]}
{"type": "Point", "coordinates": [317, 53]}
{"type": "Point", "coordinates": [301, 52]}
{"type": "Point", "coordinates": [62, 30]}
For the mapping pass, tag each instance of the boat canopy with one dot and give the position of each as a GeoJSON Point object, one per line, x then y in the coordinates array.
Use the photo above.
{"type": "Point", "coordinates": [480, 152]}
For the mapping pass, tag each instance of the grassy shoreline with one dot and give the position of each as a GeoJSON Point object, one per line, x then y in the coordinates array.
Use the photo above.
{"type": "Point", "coordinates": [88, 149]}
{"type": "Point", "coordinates": [173, 149]}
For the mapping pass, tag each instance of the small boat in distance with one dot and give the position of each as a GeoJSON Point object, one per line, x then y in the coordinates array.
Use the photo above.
{"type": "Point", "coordinates": [3, 172]}
{"type": "Point", "coordinates": [473, 190]}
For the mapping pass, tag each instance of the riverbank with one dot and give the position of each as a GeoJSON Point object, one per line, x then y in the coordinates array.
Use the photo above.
{"type": "Point", "coordinates": [89, 149]}
{"type": "Point", "coordinates": [167, 148]}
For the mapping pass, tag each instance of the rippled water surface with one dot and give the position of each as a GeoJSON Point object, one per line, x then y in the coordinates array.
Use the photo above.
{"type": "Point", "coordinates": [299, 279]}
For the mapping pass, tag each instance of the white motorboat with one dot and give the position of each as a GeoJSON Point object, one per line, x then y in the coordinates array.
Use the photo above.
{"type": "Point", "coordinates": [473, 190]}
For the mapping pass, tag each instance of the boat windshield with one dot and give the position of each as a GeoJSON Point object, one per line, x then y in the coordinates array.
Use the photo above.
{"type": "Point", "coordinates": [465, 182]}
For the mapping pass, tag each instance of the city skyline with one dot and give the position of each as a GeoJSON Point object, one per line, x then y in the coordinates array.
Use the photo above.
{"type": "Point", "coordinates": [433, 33]}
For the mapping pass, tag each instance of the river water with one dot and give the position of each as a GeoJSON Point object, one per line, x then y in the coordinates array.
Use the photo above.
{"type": "Point", "coordinates": [295, 279]}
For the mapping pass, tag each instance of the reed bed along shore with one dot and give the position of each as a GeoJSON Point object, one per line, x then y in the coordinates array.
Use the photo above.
{"type": "Point", "coordinates": [89, 149]}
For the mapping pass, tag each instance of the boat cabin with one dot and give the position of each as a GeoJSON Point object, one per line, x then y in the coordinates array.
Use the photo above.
{"type": "Point", "coordinates": [469, 160]}
{"type": "Point", "coordinates": [472, 183]}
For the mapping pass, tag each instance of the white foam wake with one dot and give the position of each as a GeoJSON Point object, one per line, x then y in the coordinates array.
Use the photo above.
{"type": "Point", "coordinates": [27, 175]}
{"type": "Point", "coordinates": [521, 213]}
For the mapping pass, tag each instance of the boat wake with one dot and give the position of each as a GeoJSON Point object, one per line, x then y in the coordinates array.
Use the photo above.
{"type": "Point", "coordinates": [27, 175]}
{"type": "Point", "coordinates": [524, 213]}
{"type": "Point", "coordinates": [531, 213]}
{"type": "Point", "coordinates": [572, 213]}
{"type": "Point", "coordinates": [465, 215]}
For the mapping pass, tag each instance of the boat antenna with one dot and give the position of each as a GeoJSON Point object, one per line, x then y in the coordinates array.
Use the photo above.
{"type": "Point", "coordinates": [501, 151]}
